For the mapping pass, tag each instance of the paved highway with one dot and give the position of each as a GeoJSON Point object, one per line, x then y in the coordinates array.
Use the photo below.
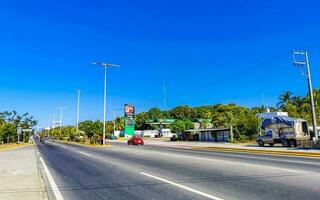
{"type": "Point", "coordinates": [149, 172]}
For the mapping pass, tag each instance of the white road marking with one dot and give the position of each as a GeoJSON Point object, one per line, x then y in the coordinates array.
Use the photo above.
{"type": "Point", "coordinates": [53, 184]}
{"type": "Point", "coordinates": [84, 153]}
{"type": "Point", "coordinates": [182, 186]}
{"type": "Point", "coordinates": [271, 159]}
{"type": "Point", "coordinates": [60, 145]}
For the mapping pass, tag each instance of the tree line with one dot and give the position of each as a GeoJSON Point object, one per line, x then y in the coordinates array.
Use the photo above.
{"type": "Point", "coordinates": [10, 121]}
{"type": "Point", "coordinates": [299, 106]}
{"type": "Point", "coordinates": [242, 119]}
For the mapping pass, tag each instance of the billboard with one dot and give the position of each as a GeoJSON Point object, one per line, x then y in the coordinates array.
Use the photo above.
{"type": "Point", "coordinates": [128, 119]}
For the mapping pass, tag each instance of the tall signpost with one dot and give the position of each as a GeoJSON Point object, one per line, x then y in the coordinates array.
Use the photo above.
{"type": "Point", "coordinates": [128, 119]}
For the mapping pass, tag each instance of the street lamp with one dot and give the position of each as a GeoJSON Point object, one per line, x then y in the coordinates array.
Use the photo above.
{"type": "Point", "coordinates": [301, 58]}
{"type": "Point", "coordinates": [78, 110]}
{"type": "Point", "coordinates": [105, 66]}
{"type": "Point", "coordinates": [61, 113]}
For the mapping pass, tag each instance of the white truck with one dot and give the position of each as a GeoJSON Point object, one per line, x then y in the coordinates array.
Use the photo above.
{"type": "Point", "coordinates": [278, 127]}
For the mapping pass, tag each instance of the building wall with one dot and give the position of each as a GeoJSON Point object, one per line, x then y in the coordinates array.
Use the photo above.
{"type": "Point", "coordinates": [216, 136]}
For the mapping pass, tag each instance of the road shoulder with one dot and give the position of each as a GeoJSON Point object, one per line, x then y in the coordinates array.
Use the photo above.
{"type": "Point", "coordinates": [19, 177]}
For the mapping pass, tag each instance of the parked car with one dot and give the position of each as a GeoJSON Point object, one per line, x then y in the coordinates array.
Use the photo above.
{"type": "Point", "coordinates": [112, 137]}
{"type": "Point", "coordinates": [135, 140]}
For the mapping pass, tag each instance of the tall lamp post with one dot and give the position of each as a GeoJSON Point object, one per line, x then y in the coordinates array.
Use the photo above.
{"type": "Point", "coordinates": [301, 58]}
{"type": "Point", "coordinates": [78, 110]}
{"type": "Point", "coordinates": [61, 113]}
{"type": "Point", "coordinates": [105, 66]}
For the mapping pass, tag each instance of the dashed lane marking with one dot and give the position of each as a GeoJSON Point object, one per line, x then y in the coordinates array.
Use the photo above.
{"type": "Point", "coordinates": [182, 187]}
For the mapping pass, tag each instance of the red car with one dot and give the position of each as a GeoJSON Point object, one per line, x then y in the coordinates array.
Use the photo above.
{"type": "Point", "coordinates": [135, 140]}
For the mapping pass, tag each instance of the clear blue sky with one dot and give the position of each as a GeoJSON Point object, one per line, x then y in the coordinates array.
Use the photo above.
{"type": "Point", "coordinates": [208, 52]}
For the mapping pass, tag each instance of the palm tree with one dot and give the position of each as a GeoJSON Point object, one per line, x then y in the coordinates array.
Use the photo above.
{"type": "Point", "coordinates": [297, 101]}
{"type": "Point", "coordinates": [119, 123]}
{"type": "Point", "coordinates": [316, 97]}
{"type": "Point", "coordinates": [285, 98]}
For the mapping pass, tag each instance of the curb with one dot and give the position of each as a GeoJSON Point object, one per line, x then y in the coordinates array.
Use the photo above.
{"type": "Point", "coordinates": [256, 151]}
{"type": "Point", "coordinates": [41, 178]}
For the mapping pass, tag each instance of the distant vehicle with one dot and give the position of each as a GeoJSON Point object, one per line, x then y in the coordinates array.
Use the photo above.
{"type": "Point", "coordinates": [174, 138]}
{"type": "Point", "coordinates": [135, 140]}
{"type": "Point", "coordinates": [279, 128]}
{"type": "Point", "coordinates": [112, 137]}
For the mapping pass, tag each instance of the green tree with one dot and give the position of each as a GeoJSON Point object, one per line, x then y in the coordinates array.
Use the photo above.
{"type": "Point", "coordinates": [91, 128]}
{"type": "Point", "coordinates": [8, 132]}
{"type": "Point", "coordinates": [183, 112]}
{"type": "Point", "coordinates": [180, 126]}
{"type": "Point", "coordinates": [154, 113]}
{"type": "Point", "coordinates": [284, 99]}
{"type": "Point", "coordinates": [140, 121]}
{"type": "Point", "coordinates": [120, 123]}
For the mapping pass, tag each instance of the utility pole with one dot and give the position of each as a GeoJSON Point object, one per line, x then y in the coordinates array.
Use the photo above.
{"type": "Point", "coordinates": [53, 121]}
{"type": "Point", "coordinates": [61, 113]}
{"type": "Point", "coordinates": [263, 101]}
{"type": "Point", "coordinates": [164, 95]}
{"type": "Point", "coordinates": [78, 110]}
{"type": "Point", "coordinates": [114, 121]}
{"type": "Point", "coordinates": [300, 58]}
{"type": "Point", "coordinates": [105, 66]}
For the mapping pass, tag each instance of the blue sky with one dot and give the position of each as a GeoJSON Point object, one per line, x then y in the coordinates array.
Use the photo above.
{"type": "Point", "coordinates": [208, 52]}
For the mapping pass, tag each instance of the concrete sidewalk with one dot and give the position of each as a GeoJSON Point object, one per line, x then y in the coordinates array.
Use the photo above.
{"type": "Point", "coordinates": [19, 175]}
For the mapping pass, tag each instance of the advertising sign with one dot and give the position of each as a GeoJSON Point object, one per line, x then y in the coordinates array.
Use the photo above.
{"type": "Point", "coordinates": [129, 119]}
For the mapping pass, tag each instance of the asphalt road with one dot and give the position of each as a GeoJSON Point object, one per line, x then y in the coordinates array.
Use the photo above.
{"type": "Point", "coordinates": [148, 172]}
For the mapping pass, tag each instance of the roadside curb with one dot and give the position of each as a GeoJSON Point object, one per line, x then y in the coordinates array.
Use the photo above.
{"type": "Point", "coordinates": [14, 147]}
{"type": "Point", "coordinates": [41, 178]}
{"type": "Point", "coordinates": [257, 151]}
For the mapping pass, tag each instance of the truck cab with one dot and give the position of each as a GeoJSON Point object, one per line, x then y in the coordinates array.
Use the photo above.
{"type": "Point", "coordinates": [267, 137]}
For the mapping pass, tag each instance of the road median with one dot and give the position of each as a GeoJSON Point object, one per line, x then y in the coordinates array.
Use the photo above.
{"type": "Point", "coordinates": [85, 144]}
{"type": "Point", "coordinates": [258, 151]}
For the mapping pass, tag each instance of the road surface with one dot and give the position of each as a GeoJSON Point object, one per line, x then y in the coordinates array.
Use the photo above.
{"type": "Point", "coordinates": [149, 172]}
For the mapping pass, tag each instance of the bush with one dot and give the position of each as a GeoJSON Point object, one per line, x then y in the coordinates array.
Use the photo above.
{"type": "Point", "coordinates": [242, 138]}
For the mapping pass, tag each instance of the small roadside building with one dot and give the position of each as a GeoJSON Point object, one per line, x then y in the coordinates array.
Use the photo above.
{"type": "Point", "coordinates": [208, 134]}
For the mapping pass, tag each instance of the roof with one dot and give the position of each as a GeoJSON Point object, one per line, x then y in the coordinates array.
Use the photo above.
{"type": "Point", "coordinates": [207, 129]}
{"type": "Point", "coordinates": [289, 121]}
{"type": "Point", "coordinates": [272, 114]}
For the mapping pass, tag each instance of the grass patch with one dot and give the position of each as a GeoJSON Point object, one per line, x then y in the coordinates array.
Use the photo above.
{"type": "Point", "coordinates": [8, 146]}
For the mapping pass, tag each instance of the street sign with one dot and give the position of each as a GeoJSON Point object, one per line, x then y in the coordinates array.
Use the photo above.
{"type": "Point", "coordinates": [27, 130]}
{"type": "Point", "coordinates": [158, 121]}
{"type": "Point", "coordinates": [129, 119]}
{"type": "Point", "coordinates": [19, 130]}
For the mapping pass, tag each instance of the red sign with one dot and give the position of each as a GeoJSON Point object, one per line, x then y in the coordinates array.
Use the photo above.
{"type": "Point", "coordinates": [129, 109]}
